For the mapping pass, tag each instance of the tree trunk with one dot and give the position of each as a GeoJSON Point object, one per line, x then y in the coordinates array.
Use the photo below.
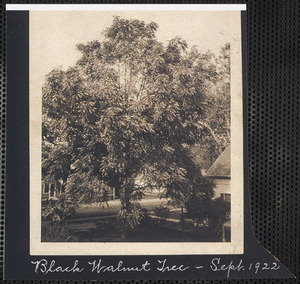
{"type": "Point", "coordinates": [182, 218]}
{"type": "Point", "coordinates": [125, 198]}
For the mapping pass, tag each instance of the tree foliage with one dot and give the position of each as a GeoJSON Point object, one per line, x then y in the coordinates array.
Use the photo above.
{"type": "Point", "coordinates": [215, 124]}
{"type": "Point", "coordinates": [130, 108]}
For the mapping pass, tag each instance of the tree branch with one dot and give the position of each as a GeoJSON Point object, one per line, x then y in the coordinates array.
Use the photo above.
{"type": "Point", "coordinates": [212, 133]}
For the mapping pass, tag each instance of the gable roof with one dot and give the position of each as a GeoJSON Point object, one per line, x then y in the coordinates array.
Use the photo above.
{"type": "Point", "coordinates": [221, 167]}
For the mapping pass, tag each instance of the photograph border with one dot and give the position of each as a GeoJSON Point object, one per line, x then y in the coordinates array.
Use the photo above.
{"type": "Point", "coordinates": [236, 246]}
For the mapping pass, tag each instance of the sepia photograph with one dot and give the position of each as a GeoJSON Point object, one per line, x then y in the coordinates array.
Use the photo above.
{"type": "Point", "coordinates": [136, 132]}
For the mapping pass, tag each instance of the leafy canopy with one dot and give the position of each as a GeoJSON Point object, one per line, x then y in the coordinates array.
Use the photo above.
{"type": "Point", "coordinates": [129, 108]}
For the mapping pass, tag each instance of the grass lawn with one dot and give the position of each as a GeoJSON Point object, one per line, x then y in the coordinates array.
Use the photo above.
{"type": "Point", "coordinates": [165, 231]}
{"type": "Point", "coordinates": [97, 224]}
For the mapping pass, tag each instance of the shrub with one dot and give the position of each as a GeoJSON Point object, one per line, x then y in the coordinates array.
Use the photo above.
{"type": "Point", "coordinates": [55, 211]}
{"type": "Point", "coordinates": [211, 212]}
{"type": "Point", "coordinates": [162, 212]}
{"type": "Point", "coordinates": [131, 216]}
{"type": "Point", "coordinates": [220, 214]}
{"type": "Point", "coordinates": [56, 233]}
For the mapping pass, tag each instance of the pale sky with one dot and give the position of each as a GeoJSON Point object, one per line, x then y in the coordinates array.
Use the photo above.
{"type": "Point", "coordinates": [54, 34]}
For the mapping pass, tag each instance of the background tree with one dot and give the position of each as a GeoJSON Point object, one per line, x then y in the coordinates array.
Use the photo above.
{"type": "Point", "coordinates": [215, 125]}
{"type": "Point", "coordinates": [218, 114]}
{"type": "Point", "coordinates": [130, 107]}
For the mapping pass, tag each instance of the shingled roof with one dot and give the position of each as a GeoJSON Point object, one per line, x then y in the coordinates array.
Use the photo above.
{"type": "Point", "coordinates": [221, 167]}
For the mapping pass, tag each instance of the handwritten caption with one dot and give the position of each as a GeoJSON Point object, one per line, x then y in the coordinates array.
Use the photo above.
{"type": "Point", "coordinates": [162, 265]}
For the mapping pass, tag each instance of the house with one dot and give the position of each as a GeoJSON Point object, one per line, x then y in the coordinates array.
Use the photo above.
{"type": "Point", "coordinates": [220, 173]}
{"type": "Point", "coordinates": [53, 191]}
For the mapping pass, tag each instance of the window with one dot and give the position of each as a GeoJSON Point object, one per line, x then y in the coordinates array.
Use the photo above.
{"type": "Point", "coordinates": [52, 190]}
{"type": "Point", "coordinates": [46, 188]}
{"type": "Point", "coordinates": [226, 196]}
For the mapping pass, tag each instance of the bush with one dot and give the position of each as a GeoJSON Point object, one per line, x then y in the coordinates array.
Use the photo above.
{"type": "Point", "coordinates": [144, 222]}
{"type": "Point", "coordinates": [56, 233]}
{"type": "Point", "coordinates": [199, 208]}
{"type": "Point", "coordinates": [55, 211]}
{"type": "Point", "coordinates": [162, 212]}
{"type": "Point", "coordinates": [219, 215]}
{"type": "Point", "coordinates": [211, 212]}
{"type": "Point", "coordinates": [131, 216]}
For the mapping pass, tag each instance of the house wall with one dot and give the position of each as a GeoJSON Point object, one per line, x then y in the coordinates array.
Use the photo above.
{"type": "Point", "coordinates": [222, 186]}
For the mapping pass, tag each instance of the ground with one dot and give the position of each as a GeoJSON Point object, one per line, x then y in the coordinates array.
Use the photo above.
{"type": "Point", "coordinates": [94, 223]}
